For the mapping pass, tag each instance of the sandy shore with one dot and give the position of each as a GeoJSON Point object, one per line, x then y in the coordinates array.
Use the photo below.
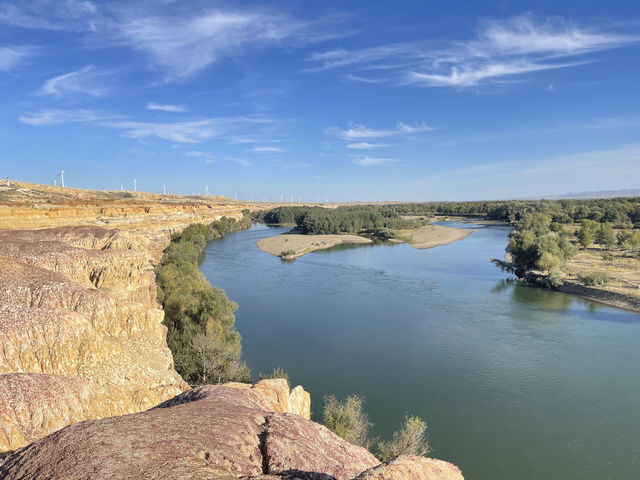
{"type": "Point", "coordinates": [431, 236]}
{"type": "Point", "coordinates": [296, 245]}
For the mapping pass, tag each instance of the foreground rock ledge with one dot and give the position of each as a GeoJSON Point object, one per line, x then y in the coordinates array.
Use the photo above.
{"type": "Point", "coordinates": [222, 432]}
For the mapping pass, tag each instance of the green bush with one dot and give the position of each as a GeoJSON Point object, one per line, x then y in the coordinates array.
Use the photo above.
{"type": "Point", "coordinates": [347, 419]}
{"type": "Point", "coordinates": [276, 373]}
{"type": "Point", "coordinates": [593, 278]}
{"type": "Point", "coordinates": [199, 317]}
{"type": "Point", "coordinates": [409, 440]}
{"type": "Point", "coordinates": [287, 253]}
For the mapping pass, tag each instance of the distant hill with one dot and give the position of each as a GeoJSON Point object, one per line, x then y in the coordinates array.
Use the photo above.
{"type": "Point", "coordinates": [600, 194]}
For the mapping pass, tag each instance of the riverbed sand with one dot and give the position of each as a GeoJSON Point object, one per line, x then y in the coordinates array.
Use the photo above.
{"type": "Point", "coordinates": [299, 245]}
{"type": "Point", "coordinates": [431, 236]}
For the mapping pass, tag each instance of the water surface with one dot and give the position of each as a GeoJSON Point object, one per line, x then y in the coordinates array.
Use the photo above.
{"type": "Point", "coordinates": [514, 382]}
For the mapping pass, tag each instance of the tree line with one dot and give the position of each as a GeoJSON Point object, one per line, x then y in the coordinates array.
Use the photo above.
{"type": "Point", "coordinates": [376, 221]}
{"type": "Point", "coordinates": [199, 318]}
{"type": "Point", "coordinates": [618, 211]}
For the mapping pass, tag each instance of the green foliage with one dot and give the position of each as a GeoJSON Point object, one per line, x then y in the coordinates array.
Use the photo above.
{"type": "Point", "coordinates": [628, 240]}
{"type": "Point", "coordinates": [199, 318]}
{"type": "Point", "coordinates": [587, 233]}
{"type": "Point", "coordinates": [347, 419]}
{"type": "Point", "coordinates": [287, 253]}
{"type": "Point", "coordinates": [276, 373]}
{"type": "Point", "coordinates": [532, 245]}
{"type": "Point", "coordinates": [604, 235]}
{"type": "Point", "coordinates": [409, 440]}
{"type": "Point", "coordinates": [617, 211]}
{"type": "Point", "coordinates": [376, 221]}
{"type": "Point", "coordinates": [593, 278]}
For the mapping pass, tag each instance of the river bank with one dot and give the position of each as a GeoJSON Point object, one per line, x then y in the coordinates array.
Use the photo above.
{"type": "Point", "coordinates": [292, 245]}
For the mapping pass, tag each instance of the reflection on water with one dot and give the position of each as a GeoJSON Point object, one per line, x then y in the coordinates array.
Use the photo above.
{"type": "Point", "coordinates": [514, 381]}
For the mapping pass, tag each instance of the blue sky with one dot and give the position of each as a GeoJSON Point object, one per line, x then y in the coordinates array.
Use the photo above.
{"type": "Point", "coordinates": [351, 100]}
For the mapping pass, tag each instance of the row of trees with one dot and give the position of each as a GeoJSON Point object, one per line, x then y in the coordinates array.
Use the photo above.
{"type": "Point", "coordinates": [591, 232]}
{"type": "Point", "coordinates": [200, 318]}
{"type": "Point", "coordinates": [618, 211]}
{"type": "Point", "coordinates": [378, 221]}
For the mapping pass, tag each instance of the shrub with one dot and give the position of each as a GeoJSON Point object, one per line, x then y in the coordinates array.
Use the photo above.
{"type": "Point", "coordinates": [409, 440]}
{"type": "Point", "coordinates": [288, 253]}
{"type": "Point", "coordinates": [276, 373]}
{"type": "Point", "coordinates": [347, 419]}
{"type": "Point", "coordinates": [593, 278]}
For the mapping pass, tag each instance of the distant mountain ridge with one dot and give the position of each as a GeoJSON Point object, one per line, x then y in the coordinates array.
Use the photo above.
{"type": "Point", "coordinates": [634, 192]}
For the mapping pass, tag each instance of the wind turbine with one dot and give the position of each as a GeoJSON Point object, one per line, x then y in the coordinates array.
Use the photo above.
{"type": "Point", "coordinates": [62, 177]}
{"type": "Point", "coordinates": [135, 187]}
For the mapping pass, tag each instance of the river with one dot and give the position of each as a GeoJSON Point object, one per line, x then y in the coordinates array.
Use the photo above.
{"type": "Point", "coordinates": [514, 382]}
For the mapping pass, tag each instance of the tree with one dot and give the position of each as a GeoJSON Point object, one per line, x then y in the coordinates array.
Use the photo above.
{"type": "Point", "coordinates": [604, 235]}
{"type": "Point", "coordinates": [218, 361]}
{"type": "Point", "coordinates": [628, 240]}
{"type": "Point", "coordinates": [586, 234]}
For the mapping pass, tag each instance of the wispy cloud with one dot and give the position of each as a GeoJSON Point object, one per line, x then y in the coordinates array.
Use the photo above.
{"type": "Point", "coordinates": [181, 132]}
{"type": "Point", "coordinates": [366, 145]}
{"type": "Point", "coordinates": [165, 108]}
{"type": "Point", "coordinates": [361, 132]}
{"type": "Point", "coordinates": [501, 49]}
{"type": "Point", "coordinates": [85, 81]}
{"type": "Point", "coordinates": [11, 57]}
{"type": "Point", "coordinates": [242, 161]}
{"type": "Point", "coordinates": [205, 156]}
{"type": "Point", "coordinates": [74, 15]}
{"type": "Point", "coordinates": [176, 40]}
{"type": "Point", "coordinates": [267, 149]}
{"type": "Point", "coordinates": [373, 161]}
{"type": "Point", "coordinates": [56, 116]}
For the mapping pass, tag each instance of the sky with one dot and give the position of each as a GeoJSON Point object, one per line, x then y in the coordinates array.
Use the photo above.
{"type": "Point", "coordinates": [323, 101]}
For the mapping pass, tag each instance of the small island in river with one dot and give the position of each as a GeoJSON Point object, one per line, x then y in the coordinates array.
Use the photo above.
{"type": "Point", "coordinates": [292, 245]}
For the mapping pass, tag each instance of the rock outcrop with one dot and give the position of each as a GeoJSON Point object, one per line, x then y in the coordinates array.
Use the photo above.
{"type": "Point", "coordinates": [414, 468]}
{"type": "Point", "coordinates": [80, 331]}
{"type": "Point", "coordinates": [210, 432]}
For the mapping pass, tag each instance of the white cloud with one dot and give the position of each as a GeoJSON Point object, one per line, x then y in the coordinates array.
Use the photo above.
{"type": "Point", "coordinates": [366, 145]}
{"type": "Point", "coordinates": [372, 161]}
{"type": "Point", "coordinates": [208, 158]}
{"type": "Point", "coordinates": [474, 76]}
{"type": "Point", "coordinates": [57, 116]}
{"type": "Point", "coordinates": [180, 132]}
{"type": "Point", "coordinates": [183, 46]}
{"type": "Point", "coordinates": [165, 108]}
{"type": "Point", "coordinates": [12, 57]}
{"type": "Point", "coordinates": [73, 15]}
{"type": "Point", "coordinates": [84, 81]}
{"type": "Point", "coordinates": [360, 132]}
{"type": "Point", "coordinates": [502, 48]}
{"type": "Point", "coordinates": [267, 149]}
{"type": "Point", "coordinates": [358, 78]}
{"type": "Point", "coordinates": [242, 161]}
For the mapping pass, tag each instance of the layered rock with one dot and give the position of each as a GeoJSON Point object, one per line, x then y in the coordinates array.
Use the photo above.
{"type": "Point", "coordinates": [80, 331]}
{"type": "Point", "coordinates": [222, 432]}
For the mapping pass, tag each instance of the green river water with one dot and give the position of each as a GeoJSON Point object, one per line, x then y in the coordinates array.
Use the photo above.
{"type": "Point", "coordinates": [514, 382]}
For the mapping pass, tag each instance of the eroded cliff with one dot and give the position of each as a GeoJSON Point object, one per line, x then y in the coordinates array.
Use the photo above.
{"type": "Point", "coordinates": [80, 330]}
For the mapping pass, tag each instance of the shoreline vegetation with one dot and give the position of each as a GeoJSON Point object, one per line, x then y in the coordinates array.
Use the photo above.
{"type": "Point", "coordinates": [199, 318]}
{"type": "Point", "coordinates": [586, 247]}
{"type": "Point", "coordinates": [316, 228]}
